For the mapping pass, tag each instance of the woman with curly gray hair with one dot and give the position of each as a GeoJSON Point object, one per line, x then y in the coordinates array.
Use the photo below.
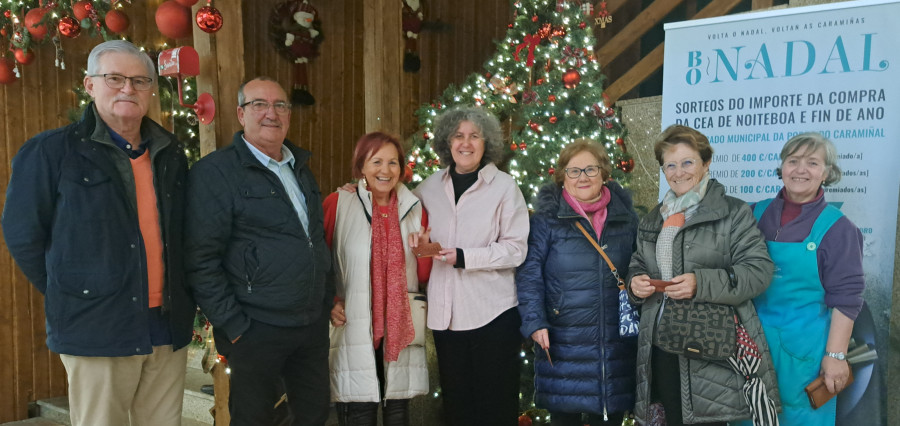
{"type": "Point", "coordinates": [479, 217]}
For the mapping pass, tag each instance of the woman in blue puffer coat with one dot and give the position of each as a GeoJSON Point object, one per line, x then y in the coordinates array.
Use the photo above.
{"type": "Point", "coordinates": [568, 297]}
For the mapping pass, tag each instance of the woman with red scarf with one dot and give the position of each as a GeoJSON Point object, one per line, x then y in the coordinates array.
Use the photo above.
{"type": "Point", "coordinates": [372, 358]}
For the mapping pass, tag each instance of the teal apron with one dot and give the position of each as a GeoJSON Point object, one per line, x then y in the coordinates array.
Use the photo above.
{"type": "Point", "coordinates": [796, 321]}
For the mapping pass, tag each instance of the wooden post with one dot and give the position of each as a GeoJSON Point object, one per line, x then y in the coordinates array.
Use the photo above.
{"type": "Point", "coordinates": [383, 62]}
{"type": "Point", "coordinates": [221, 75]}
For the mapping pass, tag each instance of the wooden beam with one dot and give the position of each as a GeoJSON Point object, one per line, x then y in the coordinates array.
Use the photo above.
{"type": "Point", "coordinates": [649, 17]}
{"type": "Point", "coordinates": [761, 4]}
{"type": "Point", "coordinates": [650, 63]}
{"type": "Point", "coordinates": [221, 75]}
{"type": "Point", "coordinates": [383, 62]}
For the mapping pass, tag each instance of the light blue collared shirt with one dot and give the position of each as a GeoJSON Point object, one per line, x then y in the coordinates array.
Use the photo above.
{"type": "Point", "coordinates": [284, 169]}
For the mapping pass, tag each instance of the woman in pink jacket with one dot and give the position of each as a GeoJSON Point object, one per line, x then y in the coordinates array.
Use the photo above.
{"type": "Point", "coordinates": [479, 217]}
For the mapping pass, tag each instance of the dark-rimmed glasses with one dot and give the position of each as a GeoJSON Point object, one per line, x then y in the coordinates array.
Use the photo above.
{"type": "Point", "coordinates": [117, 81]}
{"type": "Point", "coordinates": [589, 171]}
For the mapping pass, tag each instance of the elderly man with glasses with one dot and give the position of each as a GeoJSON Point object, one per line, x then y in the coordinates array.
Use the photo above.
{"type": "Point", "coordinates": [258, 264]}
{"type": "Point", "coordinates": [94, 218]}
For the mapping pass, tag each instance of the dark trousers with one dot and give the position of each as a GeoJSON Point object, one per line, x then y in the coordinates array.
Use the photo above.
{"type": "Point", "coordinates": [266, 355]}
{"type": "Point", "coordinates": [394, 413]}
{"type": "Point", "coordinates": [479, 372]}
{"type": "Point", "coordinates": [665, 387]}
{"type": "Point", "coordinates": [574, 419]}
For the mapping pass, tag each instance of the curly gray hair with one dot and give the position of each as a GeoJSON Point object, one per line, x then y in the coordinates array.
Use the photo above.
{"type": "Point", "coordinates": [445, 126]}
{"type": "Point", "coordinates": [811, 142]}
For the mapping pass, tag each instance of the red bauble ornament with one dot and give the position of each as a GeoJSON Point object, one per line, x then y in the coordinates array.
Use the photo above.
{"type": "Point", "coordinates": [571, 78]}
{"type": "Point", "coordinates": [24, 57]}
{"type": "Point", "coordinates": [116, 21]}
{"type": "Point", "coordinates": [553, 119]}
{"type": "Point", "coordinates": [626, 165]}
{"type": "Point", "coordinates": [209, 19]}
{"type": "Point", "coordinates": [32, 18]}
{"type": "Point", "coordinates": [68, 27]}
{"type": "Point", "coordinates": [425, 136]}
{"type": "Point", "coordinates": [510, 25]}
{"type": "Point", "coordinates": [582, 25]}
{"type": "Point", "coordinates": [7, 14]}
{"type": "Point", "coordinates": [534, 126]}
{"type": "Point", "coordinates": [7, 75]}
{"type": "Point", "coordinates": [173, 20]}
{"type": "Point", "coordinates": [512, 146]}
{"type": "Point", "coordinates": [3, 32]}
{"type": "Point", "coordinates": [539, 81]}
{"type": "Point", "coordinates": [525, 420]}
{"type": "Point", "coordinates": [551, 171]}
{"type": "Point", "coordinates": [522, 146]}
{"type": "Point", "coordinates": [534, 18]}
{"type": "Point", "coordinates": [187, 3]}
{"type": "Point", "coordinates": [620, 142]}
{"type": "Point", "coordinates": [551, 98]}
{"type": "Point", "coordinates": [82, 9]}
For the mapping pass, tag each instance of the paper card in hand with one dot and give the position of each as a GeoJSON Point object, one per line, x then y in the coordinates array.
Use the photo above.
{"type": "Point", "coordinates": [427, 250]}
{"type": "Point", "coordinates": [660, 285]}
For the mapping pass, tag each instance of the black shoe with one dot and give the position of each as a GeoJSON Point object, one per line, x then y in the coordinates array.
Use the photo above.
{"type": "Point", "coordinates": [208, 389]}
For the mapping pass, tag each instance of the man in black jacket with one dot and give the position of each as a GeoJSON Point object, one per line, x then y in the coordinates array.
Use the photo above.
{"type": "Point", "coordinates": [257, 262]}
{"type": "Point", "coordinates": [94, 218]}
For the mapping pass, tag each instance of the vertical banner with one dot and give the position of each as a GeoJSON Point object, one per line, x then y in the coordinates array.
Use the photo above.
{"type": "Point", "coordinates": [752, 81]}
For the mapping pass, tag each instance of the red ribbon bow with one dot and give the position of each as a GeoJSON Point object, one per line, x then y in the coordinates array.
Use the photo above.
{"type": "Point", "coordinates": [577, 55]}
{"type": "Point", "coordinates": [530, 41]}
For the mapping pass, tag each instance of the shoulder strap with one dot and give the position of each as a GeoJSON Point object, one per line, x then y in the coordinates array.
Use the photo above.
{"type": "Point", "coordinates": [612, 268]}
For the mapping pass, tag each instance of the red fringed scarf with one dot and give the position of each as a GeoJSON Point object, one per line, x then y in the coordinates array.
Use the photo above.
{"type": "Point", "coordinates": [391, 317]}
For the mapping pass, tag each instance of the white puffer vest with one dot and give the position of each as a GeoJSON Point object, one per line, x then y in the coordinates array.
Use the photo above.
{"type": "Point", "coordinates": [352, 357]}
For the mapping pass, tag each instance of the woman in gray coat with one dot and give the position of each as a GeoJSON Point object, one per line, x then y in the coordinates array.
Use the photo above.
{"type": "Point", "coordinates": [708, 246]}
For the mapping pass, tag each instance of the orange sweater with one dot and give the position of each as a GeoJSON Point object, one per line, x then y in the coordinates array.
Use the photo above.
{"type": "Point", "coordinates": [148, 217]}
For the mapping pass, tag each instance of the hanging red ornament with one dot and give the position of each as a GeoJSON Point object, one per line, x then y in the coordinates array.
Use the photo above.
{"type": "Point", "coordinates": [551, 98]}
{"type": "Point", "coordinates": [582, 25]}
{"type": "Point", "coordinates": [437, 162]}
{"type": "Point", "coordinates": [553, 119]}
{"type": "Point", "coordinates": [621, 143]}
{"type": "Point", "coordinates": [571, 78]}
{"type": "Point", "coordinates": [534, 126]}
{"type": "Point", "coordinates": [551, 171]}
{"type": "Point", "coordinates": [525, 420]}
{"type": "Point", "coordinates": [512, 146]}
{"type": "Point", "coordinates": [7, 14]}
{"type": "Point", "coordinates": [24, 56]}
{"type": "Point", "coordinates": [116, 21]}
{"type": "Point", "coordinates": [544, 31]}
{"type": "Point", "coordinates": [173, 20]}
{"type": "Point", "coordinates": [82, 9]}
{"type": "Point", "coordinates": [407, 174]}
{"type": "Point", "coordinates": [209, 19]}
{"type": "Point", "coordinates": [539, 81]}
{"type": "Point", "coordinates": [626, 165]}
{"type": "Point", "coordinates": [18, 38]}
{"type": "Point", "coordinates": [33, 23]}
{"type": "Point", "coordinates": [187, 3]}
{"type": "Point", "coordinates": [429, 163]}
{"type": "Point", "coordinates": [68, 27]}
{"type": "Point", "coordinates": [522, 146]}
{"type": "Point", "coordinates": [510, 25]}
{"type": "Point", "coordinates": [7, 71]}
{"type": "Point", "coordinates": [534, 18]}
{"type": "Point", "coordinates": [426, 136]}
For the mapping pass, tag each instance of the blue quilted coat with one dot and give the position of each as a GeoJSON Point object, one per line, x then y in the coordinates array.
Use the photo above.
{"type": "Point", "coordinates": [564, 285]}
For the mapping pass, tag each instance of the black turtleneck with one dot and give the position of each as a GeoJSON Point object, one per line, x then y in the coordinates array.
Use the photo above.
{"type": "Point", "coordinates": [463, 181]}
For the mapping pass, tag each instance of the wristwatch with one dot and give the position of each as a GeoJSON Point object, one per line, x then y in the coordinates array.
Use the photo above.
{"type": "Point", "coordinates": [836, 355]}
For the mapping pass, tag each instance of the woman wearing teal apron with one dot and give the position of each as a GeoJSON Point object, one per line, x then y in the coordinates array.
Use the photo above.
{"type": "Point", "coordinates": [809, 308]}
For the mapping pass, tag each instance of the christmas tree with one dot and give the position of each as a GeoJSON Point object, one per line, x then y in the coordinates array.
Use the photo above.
{"type": "Point", "coordinates": [545, 85]}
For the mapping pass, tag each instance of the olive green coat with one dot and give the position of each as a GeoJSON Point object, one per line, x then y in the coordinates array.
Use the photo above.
{"type": "Point", "coordinates": [721, 233]}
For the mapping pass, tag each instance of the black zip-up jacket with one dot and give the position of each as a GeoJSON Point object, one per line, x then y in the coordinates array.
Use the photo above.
{"type": "Point", "coordinates": [71, 223]}
{"type": "Point", "coordinates": [248, 256]}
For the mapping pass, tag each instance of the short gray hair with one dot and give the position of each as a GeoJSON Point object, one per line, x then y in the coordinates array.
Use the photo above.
{"type": "Point", "coordinates": [119, 46]}
{"type": "Point", "coordinates": [446, 124]}
{"type": "Point", "coordinates": [811, 142]}
{"type": "Point", "coordinates": [241, 97]}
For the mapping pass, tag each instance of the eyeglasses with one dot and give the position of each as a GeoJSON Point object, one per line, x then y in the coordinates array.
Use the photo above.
{"type": "Point", "coordinates": [589, 171]}
{"type": "Point", "coordinates": [117, 81]}
{"type": "Point", "coordinates": [687, 165]}
{"type": "Point", "coordinates": [260, 105]}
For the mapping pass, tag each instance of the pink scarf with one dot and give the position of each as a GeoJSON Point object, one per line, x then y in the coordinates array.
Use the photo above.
{"type": "Point", "coordinates": [596, 209]}
{"type": "Point", "coordinates": [391, 316]}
